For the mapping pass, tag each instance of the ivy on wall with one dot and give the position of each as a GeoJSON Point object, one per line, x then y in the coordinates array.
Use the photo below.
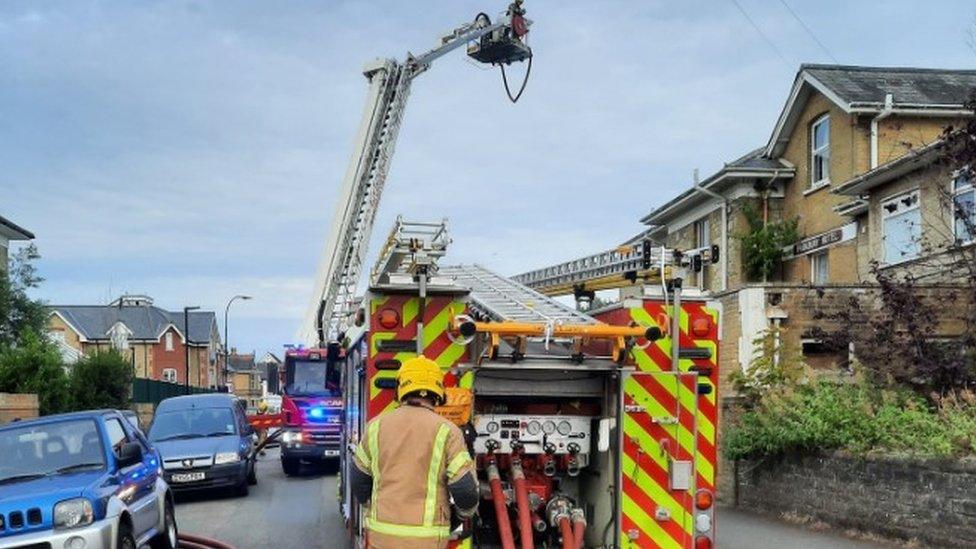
{"type": "Point", "coordinates": [763, 243]}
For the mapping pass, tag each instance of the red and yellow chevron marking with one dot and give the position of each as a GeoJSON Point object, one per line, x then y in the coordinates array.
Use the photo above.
{"type": "Point", "coordinates": [437, 345]}
{"type": "Point", "coordinates": [666, 415]}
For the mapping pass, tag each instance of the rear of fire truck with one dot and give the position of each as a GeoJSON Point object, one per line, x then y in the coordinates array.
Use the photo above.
{"type": "Point", "coordinates": [585, 432]}
{"type": "Point", "coordinates": [311, 407]}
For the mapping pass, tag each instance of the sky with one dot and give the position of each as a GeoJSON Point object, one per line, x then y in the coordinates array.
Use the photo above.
{"type": "Point", "coordinates": [192, 150]}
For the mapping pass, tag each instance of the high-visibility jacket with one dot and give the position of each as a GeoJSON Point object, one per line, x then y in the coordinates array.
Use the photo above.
{"type": "Point", "coordinates": [415, 459]}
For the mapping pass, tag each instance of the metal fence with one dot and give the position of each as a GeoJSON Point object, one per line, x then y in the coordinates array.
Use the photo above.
{"type": "Point", "coordinates": [152, 391]}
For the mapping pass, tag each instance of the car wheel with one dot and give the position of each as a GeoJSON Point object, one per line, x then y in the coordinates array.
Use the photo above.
{"type": "Point", "coordinates": [290, 466]}
{"type": "Point", "coordinates": [252, 476]}
{"type": "Point", "coordinates": [168, 538]}
{"type": "Point", "coordinates": [124, 539]}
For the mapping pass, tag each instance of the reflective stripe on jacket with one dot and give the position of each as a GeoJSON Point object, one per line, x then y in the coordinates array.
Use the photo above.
{"type": "Point", "coordinates": [411, 453]}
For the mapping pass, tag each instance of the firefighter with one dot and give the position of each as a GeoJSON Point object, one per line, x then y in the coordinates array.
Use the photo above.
{"type": "Point", "coordinates": [263, 431]}
{"type": "Point", "coordinates": [410, 462]}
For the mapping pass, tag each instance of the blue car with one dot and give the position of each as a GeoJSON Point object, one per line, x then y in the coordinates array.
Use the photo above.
{"type": "Point", "coordinates": [86, 480]}
{"type": "Point", "coordinates": [205, 443]}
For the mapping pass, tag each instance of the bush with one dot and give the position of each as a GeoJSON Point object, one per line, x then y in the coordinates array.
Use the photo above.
{"type": "Point", "coordinates": [33, 365]}
{"type": "Point", "coordinates": [857, 417]}
{"type": "Point", "coordinates": [101, 380]}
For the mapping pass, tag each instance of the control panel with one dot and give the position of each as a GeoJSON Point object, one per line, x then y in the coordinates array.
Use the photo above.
{"type": "Point", "coordinates": [554, 435]}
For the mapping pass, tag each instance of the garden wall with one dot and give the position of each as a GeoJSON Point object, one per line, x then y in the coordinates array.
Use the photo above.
{"type": "Point", "coordinates": [19, 406]}
{"type": "Point", "coordinates": [929, 500]}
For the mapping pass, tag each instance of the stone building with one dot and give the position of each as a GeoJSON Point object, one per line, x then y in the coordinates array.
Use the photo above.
{"type": "Point", "coordinates": [844, 134]}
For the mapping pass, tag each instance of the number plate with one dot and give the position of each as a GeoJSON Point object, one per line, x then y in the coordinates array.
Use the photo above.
{"type": "Point", "coordinates": [188, 477]}
{"type": "Point", "coordinates": [331, 453]}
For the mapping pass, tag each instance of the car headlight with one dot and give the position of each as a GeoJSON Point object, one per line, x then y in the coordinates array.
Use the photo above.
{"type": "Point", "coordinates": [72, 513]}
{"type": "Point", "coordinates": [291, 437]}
{"type": "Point", "coordinates": [226, 457]}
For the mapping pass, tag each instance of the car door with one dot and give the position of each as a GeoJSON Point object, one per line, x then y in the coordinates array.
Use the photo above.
{"type": "Point", "coordinates": [137, 482]}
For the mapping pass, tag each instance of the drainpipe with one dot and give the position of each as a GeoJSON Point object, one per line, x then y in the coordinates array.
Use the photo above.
{"type": "Point", "coordinates": [889, 105]}
{"type": "Point", "coordinates": [725, 230]}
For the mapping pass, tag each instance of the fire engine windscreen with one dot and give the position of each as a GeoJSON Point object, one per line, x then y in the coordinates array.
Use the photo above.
{"type": "Point", "coordinates": [313, 378]}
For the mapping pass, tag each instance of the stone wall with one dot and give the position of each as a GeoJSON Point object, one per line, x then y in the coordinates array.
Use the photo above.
{"type": "Point", "coordinates": [930, 501]}
{"type": "Point", "coordinates": [17, 407]}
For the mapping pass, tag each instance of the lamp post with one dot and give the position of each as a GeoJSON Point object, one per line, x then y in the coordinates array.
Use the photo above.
{"type": "Point", "coordinates": [186, 344]}
{"type": "Point", "coordinates": [226, 337]}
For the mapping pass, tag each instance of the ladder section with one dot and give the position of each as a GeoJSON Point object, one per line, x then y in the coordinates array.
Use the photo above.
{"type": "Point", "coordinates": [341, 265]}
{"type": "Point", "coordinates": [412, 247]}
{"type": "Point", "coordinates": [501, 298]}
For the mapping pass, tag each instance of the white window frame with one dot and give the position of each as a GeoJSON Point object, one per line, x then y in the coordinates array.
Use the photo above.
{"type": "Point", "coordinates": [902, 209]}
{"type": "Point", "coordinates": [169, 341]}
{"type": "Point", "coordinates": [169, 375]}
{"type": "Point", "coordinates": [815, 258]}
{"type": "Point", "coordinates": [968, 186]}
{"type": "Point", "coordinates": [822, 151]}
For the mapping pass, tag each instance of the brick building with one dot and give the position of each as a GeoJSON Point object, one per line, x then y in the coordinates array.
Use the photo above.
{"type": "Point", "coordinates": [151, 337]}
{"type": "Point", "coordinates": [245, 377]}
{"type": "Point", "coordinates": [850, 158]}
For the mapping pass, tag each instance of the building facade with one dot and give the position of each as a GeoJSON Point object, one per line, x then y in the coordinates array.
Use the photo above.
{"type": "Point", "coordinates": [850, 161]}
{"type": "Point", "coordinates": [246, 378]}
{"type": "Point", "coordinates": [9, 232]}
{"type": "Point", "coordinates": [155, 340]}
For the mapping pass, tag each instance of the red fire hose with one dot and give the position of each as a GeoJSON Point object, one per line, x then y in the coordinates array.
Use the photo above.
{"type": "Point", "coordinates": [501, 509]}
{"type": "Point", "coordinates": [522, 502]}
{"type": "Point", "coordinates": [186, 541]}
{"type": "Point", "coordinates": [579, 527]}
{"type": "Point", "coordinates": [567, 532]}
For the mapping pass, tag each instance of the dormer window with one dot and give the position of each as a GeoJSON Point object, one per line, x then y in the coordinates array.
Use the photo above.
{"type": "Point", "coordinates": [820, 152]}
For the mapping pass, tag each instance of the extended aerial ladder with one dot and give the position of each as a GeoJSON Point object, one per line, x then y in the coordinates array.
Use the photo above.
{"type": "Point", "coordinates": [499, 43]}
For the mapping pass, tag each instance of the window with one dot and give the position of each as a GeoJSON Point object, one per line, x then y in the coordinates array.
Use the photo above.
{"type": "Point", "coordinates": [964, 212]}
{"type": "Point", "coordinates": [116, 434]}
{"type": "Point", "coordinates": [901, 227]}
{"type": "Point", "coordinates": [820, 152]}
{"type": "Point", "coordinates": [819, 268]}
{"type": "Point", "coordinates": [701, 241]}
{"type": "Point", "coordinates": [169, 341]}
{"type": "Point", "coordinates": [169, 375]}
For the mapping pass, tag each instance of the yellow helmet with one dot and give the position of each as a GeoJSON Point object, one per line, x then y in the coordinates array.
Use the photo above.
{"type": "Point", "coordinates": [262, 407]}
{"type": "Point", "coordinates": [423, 375]}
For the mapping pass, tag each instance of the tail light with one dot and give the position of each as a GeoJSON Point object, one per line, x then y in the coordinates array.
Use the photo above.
{"type": "Point", "coordinates": [704, 500]}
{"type": "Point", "coordinates": [702, 542]}
{"type": "Point", "coordinates": [389, 319]}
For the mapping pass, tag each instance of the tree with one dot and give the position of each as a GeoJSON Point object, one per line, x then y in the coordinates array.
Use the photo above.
{"type": "Point", "coordinates": [18, 312]}
{"type": "Point", "coordinates": [33, 365]}
{"type": "Point", "coordinates": [101, 380]}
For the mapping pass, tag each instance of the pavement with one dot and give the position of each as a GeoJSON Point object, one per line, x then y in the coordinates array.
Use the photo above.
{"type": "Point", "coordinates": [301, 512]}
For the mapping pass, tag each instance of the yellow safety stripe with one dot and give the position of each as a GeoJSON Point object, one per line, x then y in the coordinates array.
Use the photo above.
{"type": "Point", "coordinates": [403, 530]}
{"type": "Point", "coordinates": [363, 457]}
{"type": "Point", "coordinates": [456, 464]}
{"type": "Point", "coordinates": [436, 458]}
{"type": "Point", "coordinates": [374, 450]}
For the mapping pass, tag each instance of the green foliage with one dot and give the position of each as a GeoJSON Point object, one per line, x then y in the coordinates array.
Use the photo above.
{"type": "Point", "coordinates": [763, 243]}
{"type": "Point", "coordinates": [101, 380]}
{"type": "Point", "coordinates": [775, 364]}
{"type": "Point", "coordinates": [857, 417]}
{"type": "Point", "coordinates": [18, 312]}
{"type": "Point", "coordinates": [33, 365]}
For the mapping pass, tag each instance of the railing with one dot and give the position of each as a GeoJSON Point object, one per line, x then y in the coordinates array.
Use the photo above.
{"type": "Point", "coordinates": [153, 392]}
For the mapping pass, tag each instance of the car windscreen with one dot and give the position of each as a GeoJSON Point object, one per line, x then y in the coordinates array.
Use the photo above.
{"type": "Point", "coordinates": [33, 451]}
{"type": "Point", "coordinates": [313, 378]}
{"type": "Point", "coordinates": [193, 423]}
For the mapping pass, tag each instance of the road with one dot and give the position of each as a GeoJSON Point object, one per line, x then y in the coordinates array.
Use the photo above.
{"type": "Point", "coordinates": [301, 512]}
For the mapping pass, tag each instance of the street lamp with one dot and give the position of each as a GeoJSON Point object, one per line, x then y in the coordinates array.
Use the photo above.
{"type": "Point", "coordinates": [186, 344]}
{"type": "Point", "coordinates": [226, 341]}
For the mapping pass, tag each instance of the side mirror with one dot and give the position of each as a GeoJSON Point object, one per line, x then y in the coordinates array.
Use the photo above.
{"type": "Point", "coordinates": [129, 454]}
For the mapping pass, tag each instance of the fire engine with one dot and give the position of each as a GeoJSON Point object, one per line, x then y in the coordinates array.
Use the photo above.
{"type": "Point", "coordinates": [311, 407]}
{"type": "Point", "coordinates": [589, 429]}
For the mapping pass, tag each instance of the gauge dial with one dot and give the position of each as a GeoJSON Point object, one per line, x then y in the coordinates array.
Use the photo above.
{"type": "Point", "coordinates": [549, 427]}
{"type": "Point", "coordinates": [492, 427]}
{"type": "Point", "coordinates": [534, 428]}
{"type": "Point", "coordinates": [564, 428]}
